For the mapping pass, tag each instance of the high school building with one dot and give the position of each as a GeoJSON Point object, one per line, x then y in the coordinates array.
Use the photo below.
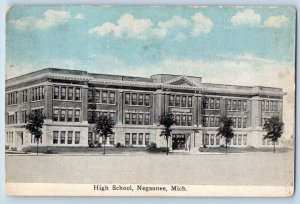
{"type": "Point", "coordinates": [71, 100]}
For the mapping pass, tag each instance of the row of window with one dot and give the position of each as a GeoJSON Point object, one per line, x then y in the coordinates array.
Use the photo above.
{"type": "Point", "coordinates": [181, 101]}
{"type": "Point", "coordinates": [93, 115]}
{"type": "Point", "coordinates": [37, 93]}
{"type": "Point", "coordinates": [183, 119]}
{"type": "Point", "coordinates": [239, 105]}
{"type": "Point", "coordinates": [135, 99]}
{"type": "Point", "coordinates": [66, 115]}
{"type": "Point", "coordinates": [211, 103]}
{"type": "Point", "coordinates": [239, 122]}
{"type": "Point", "coordinates": [66, 93]}
{"type": "Point", "coordinates": [99, 139]}
{"type": "Point", "coordinates": [12, 118]}
{"type": "Point", "coordinates": [10, 137]}
{"type": "Point", "coordinates": [269, 105]}
{"type": "Point", "coordinates": [137, 118]}
{"type": "Point", "coordinates": [269, 142]}
{"type": "Point", "coordinates": [12, 98]}
{"type": "Point", "coordinates": [211, 121]}
{"type": "Point", "coordinates": [213, 139]}
{"type": "Point", "coordinates": [137, 138]}
{"type": "Point", "coordinates": [66, 137]}
{"type": "Point", "coordinates": [100, 96]}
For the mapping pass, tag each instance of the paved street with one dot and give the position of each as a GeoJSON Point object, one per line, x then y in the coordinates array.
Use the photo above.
{"type": "Point", "coordinates": [206, 169]}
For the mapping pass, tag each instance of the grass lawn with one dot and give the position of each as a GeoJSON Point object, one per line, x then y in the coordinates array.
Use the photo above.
{"type": "Point", "coordinates": [243, 149]}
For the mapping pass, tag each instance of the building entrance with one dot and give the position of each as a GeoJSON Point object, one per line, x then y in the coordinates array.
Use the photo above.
{"type": "Point", "coordinates": [179, 141]}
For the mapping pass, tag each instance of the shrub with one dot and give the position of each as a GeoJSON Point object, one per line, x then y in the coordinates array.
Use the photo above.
{"type": "Point", "coordinates": [48, 151]}
{"type": "Point", "coordinates": [98, 145]}
{"type": "Point", "coordinates": [222, 145]}
{"type": "Point", "coordinates": [6, 147]}
{"type": "Point", "coordinates": [152, 145]}
{"type": "Point", "coordinates": [13, 149]}
{"type": "Point", "coordinates": [91, 145]}
{"type": "Point", "coordinates": [204, 146]}
{"type": "Point", "coordinates": [26, 149]}
{"type": "Point", "coordinates": [118, 145]}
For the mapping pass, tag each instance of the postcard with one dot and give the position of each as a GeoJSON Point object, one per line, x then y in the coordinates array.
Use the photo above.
{"type": "Point", "coordinates": [150, 100]}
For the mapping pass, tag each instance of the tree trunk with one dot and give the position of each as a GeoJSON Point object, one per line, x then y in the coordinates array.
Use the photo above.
{"type": "Point", "coordinates": [104, 146]}
{"type": "Point", "coordinates": [37, 146]}
{"type": "Point", "coordinates": [274, 147]}
{"type": "Point", "coordinates": [167, 145]}
{"type": "Point", "coordinates": [226, 147]}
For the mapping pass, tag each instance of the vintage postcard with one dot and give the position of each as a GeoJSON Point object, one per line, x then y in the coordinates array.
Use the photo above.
{"type": "Point", "coordinates": [150, 100]}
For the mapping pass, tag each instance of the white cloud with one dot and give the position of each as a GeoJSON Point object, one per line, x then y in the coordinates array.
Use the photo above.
{"type": "Point", "coordinates": [129, 26]}
{"type": "Point", "coordinates": [51, 18]}
{"type": "Point", "coordinates": [246, 17]}
{"type": "Point", "coordinates": [202, 24]}
{"type": "Point", "coordinates": [79, 16]}
{"type": "Point", "coordinates": [276, 21]}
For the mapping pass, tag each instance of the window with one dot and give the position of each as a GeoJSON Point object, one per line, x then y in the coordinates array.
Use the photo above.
{"type": "Point", "coordinates": [112, 98]}
{"type": "Point", "coordinates": [244, 122]}
{"type": "Point", "coordinates": [141, 138]}
{"type": "Point", "coordinates": [127, 98]}
{"type": "Point", "coordinates": [134, 137]}
{"type": "Point", "coordinates": [134, 99]}
{"type": "Point", "coordinates": [228, 104]}
{"type": "Point", "coordinates": [147, 138]}
{"type": "Point", "coordinates": [90, 95]}
{"type": "Point", "coordinates": [267, 105]}
{"type": "Point", "coordinates": [244, 139]}
{"type": "Point", "coordinates": [212, 103]}
{"type": "Point", "coordinates": [97, 96]}
{"type": "Point", "coordinates": [183, 101]}
{"type": "Point", "coordinates": [77, 94]}
{"type": "Point", "coordinates": [240, 139]}
{"type": "Point", "coordinates": [62, 115]}
{"type": "Point", "coordinates": [70, 137]}
{"type": "Point", "coordinates": [140, 120]}
{"type": "Point", "coordinates": [177, 119]}
{"type": "Point", "coordinates": [217, 121]}
{"type": "Point", "coordinates": [212, 121]}
{"type": "Point", "coordinates": [239, 105]}
{"type": "Point", "coordinates": [263, 105]}
{"type": "Point", "coordinates": [133, 118]}
{"type": "Point", "coordinates": [147, 100]}
{"type": "Point", "coordinates": [127, 138]}
{"type": "Point", "coordinates": [70, 93]}
{"type": "Point", "coordinates": [70, 115]}
{"type": "Point", "coordinates": [90, 117]}
{"type": "Point", "coordinates": [217, 139]}
{"type": "Point", "coordinates": [63, 93]}
{"type": "Point", "coordinates": [77, 137]}
{"type": "Point", "coordinates": [55, 115]}
{"type": "Point", "coordinates": [112, 139]}
{"type": "Point", "coordinates": [234, 139]}
{"type": "Point", "coordinates": [244, 105]}
{"type": "Point", "coordinates": [217, 105]}
{"type": "Point", "coordinates": [275, 106]}
{"type": "Point", "coordinates": [206, 139]}
{"type": "Point", "coordinates": [234, 122]}
{"type": "Point", "coordinates": [90, 137]}
{"type": "Point", "coordinates": [205, 121]}
{"type": "Point", "coordinates": [24, 116]}
{"type": "Point", "coordinates": [271, 106]}
{"type": "Point", "coordinates": [212, 139]}
{"type": "Point", "coordinates": [177, 101]}
{"type": "Point", "coordinates": [190, 102]}
{"type": "Point", "coordinates": [55, 137]}
{"type": "Point", "coordinates": [189, 120]}
{"type": "Point", "coordinates": [112, 116]}
{"type": "Point", "coordinates": [104, 96]}
{"type": "Point", "coordinates": [43, 92]}
{"type": "Point", "coordinates": [141, 99]}
{"type": "Point", "coordinates": [24, 96]}
{"type": "Point", "coordinates": [62, 137]}
{"type": "Point", "coordinates": [205, 103]}
{"type": "Point", "coordinates": [234, 105]}
{"type": "Point", "coordinates": [127, 118]}
{"type": "Point", "coordinates": [239, 122]}
{"type": "Point", "coordinates": [183, 120]}
{"type": "Point", "coordinates": [77, 115]}
{"type": "Point", "coordinates": [147, 119]}
{"type": "Point", "coordinates": [171, 100]}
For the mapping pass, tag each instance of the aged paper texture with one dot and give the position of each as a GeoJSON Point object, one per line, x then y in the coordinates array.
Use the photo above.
{"type": "Point", "coordinates": [150, 101]}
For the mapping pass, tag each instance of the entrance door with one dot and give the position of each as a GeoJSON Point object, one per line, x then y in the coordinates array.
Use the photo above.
{"type": "Point", "coordinates": [178, 141]}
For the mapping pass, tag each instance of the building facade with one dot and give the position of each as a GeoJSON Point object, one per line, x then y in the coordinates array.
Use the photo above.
{"type": "Point", "coordinates": [71, 100]}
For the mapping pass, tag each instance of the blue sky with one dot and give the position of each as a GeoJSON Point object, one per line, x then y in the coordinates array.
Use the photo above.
{"type": "Point", "coordinates": [102, 39]}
